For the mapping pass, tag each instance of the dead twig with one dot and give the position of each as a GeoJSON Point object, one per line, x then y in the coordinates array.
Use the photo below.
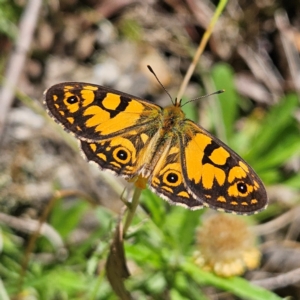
{"type": "Point", "coordinates": [279, 281]}
{"type": "Point", "coordinates": [17, 59]}
{"type": "Point", "coordinates": [287, 36]}
{"type": "Point", "coordinates": [263, 69]}
{"type": "Point", "coordinates": [278, 223]}
{"type": "Point", "coordinates": [201, 47]}
{"type": "Point", "coordinates": [30, 226]}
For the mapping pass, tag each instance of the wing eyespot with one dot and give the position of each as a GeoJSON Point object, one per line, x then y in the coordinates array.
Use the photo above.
{"type": "Point", "coordinates": [172, 178]}
{"type": "Point", "coordinates": [242, 187]}
{"type": "Point", "coordinates": [122, 155]}
{"type": "Point", "coordinates": [72, 99]}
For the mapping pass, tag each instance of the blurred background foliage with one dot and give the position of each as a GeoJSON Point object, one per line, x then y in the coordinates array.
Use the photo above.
{"type": "Point", "coordinates": [253, 54]}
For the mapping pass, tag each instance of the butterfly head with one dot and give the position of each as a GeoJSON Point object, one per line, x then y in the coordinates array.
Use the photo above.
{"type": "Point", "coordinates": [177, 103]}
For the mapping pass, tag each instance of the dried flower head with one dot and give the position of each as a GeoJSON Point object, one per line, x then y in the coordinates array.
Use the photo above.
{"type": "Point", "coordinates": [226, 246]}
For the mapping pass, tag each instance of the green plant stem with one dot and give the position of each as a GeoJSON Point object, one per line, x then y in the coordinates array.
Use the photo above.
{"type": "Point", "coordinates": [201, 47]}
{"type": "Point", "coordinates": [3, 293]}
{"type": "Point", "coordinates": [132, 208]}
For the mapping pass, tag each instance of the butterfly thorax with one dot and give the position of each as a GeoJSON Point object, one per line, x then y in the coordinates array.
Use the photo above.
{"type": "Point", "coordinates": [173, 117]}
{"type": "Point", "coordinates": [171, 123]}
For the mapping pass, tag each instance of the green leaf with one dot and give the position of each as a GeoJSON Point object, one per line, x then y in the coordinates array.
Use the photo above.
{"type": "Point", "coordinates": [183, 288]}
{"type": "Point", "coordinates": [236, 285]}
{"type": "Point", "coordinates": [288, 147]}
{"type": "Point", "coordinates": [190, 110]}
{"type": "Point", "coordinates": [65, 218]}
{"type": "Point", "coordinates": [187, 229]}
{"type": "Point", "coordinates": [227, 104]}
{"type": "Point", "coordinates": [273, 127]}
{"type": "Point", "coordinates": [155, 207]}
{"type": "Point", "coordinates": [293, 182]}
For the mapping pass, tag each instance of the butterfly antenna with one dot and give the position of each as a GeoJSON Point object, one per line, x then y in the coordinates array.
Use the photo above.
{"type": "Point", "coordinates": [204, 96]}
{"type": "Point", "coordinates": [151, 70]}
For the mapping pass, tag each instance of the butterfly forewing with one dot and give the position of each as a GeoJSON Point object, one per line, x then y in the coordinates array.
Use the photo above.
{"type": "Point", "coordinates": [93, 112]}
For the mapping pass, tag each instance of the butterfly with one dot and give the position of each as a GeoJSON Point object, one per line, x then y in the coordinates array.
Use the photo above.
{"type": "Point", "coordinates": [135, 138]}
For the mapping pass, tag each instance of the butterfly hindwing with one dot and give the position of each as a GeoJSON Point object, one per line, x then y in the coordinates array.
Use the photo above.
{"type": "Point", "coordinates": [124, 154]}
{"type": "Point", "coordinates": [167, 179]}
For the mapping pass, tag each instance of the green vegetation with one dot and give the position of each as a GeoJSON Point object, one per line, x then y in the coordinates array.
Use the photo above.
{"type": "Point", "coordinates": [160, 244]}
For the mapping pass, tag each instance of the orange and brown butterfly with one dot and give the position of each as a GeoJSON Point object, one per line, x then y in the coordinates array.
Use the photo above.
{"type": "Point", "coordinates": [134, 138]}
